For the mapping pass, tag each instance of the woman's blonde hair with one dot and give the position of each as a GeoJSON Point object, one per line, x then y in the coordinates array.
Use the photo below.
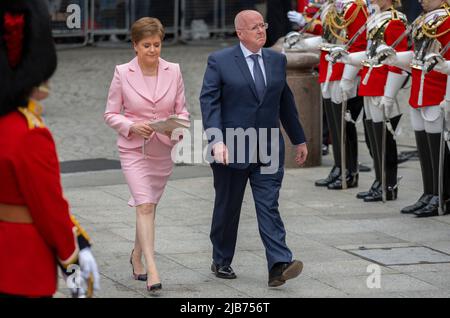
{"type": "Point", "coordinates": [397, 3]}
{"type": "Point", "coordinates": [145, 27]}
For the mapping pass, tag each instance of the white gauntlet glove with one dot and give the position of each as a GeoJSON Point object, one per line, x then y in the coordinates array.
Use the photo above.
{"type": "Point", "coordinates": [437, 63]}
{"type": "Point", "coordinates": [385, 54]}
{"type": "Point", "coordinates": [90, 277]}
{"type": "Point", "coordinates": [388, 56]}
{"type": "Point", "coordinates": [445, 104]}
{"type": "Point", "coordinates": [338, 54]}
{"type": "Point", "coordinates": [296, 17]}
{"type": "Point", "coordinates": [348, 82]}
{"type": "Point", "coordinates": [347, 86]}
{"type": "Point", "coordinates": [294, 40]}
{"type": "Point", "coordinates": [394, 83]}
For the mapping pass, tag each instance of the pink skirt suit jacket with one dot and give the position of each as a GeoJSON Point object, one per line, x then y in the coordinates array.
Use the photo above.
{"type": "Point", "coordinates": [130, 100]}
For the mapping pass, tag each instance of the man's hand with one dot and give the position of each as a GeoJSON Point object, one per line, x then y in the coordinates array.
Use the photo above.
{"type": "Point", "coordinates": [388, 103]}
{"type": "Point", "coordinates": [296, 17]}
{"type": "Point", "coordinates": [141, 129]}
{"type": "Point", "coordinates": [301, 154]}
{"type": "Point", "coordinates": [220, 152]}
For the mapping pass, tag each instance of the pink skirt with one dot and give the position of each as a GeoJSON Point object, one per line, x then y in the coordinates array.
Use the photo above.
{"type": "Point", "coordinates": [147, 175]}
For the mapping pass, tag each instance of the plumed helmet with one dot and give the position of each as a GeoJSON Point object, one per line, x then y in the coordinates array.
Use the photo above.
{"type": "Point", "coordinates": [27, 51]}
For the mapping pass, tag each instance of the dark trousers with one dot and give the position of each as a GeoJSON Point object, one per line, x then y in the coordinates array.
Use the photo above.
{"type": "Point", "coordinates": [229, 185]}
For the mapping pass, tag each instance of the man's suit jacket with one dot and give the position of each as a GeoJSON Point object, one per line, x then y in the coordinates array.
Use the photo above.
{"type": "Point", "coordinates": [229, 99]}
{"type": "Point", "coordinates": [131, 101]}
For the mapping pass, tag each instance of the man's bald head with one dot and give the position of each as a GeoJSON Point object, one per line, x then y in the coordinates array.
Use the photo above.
{"type": "Point", "coordinates": [244, 18]}
{"type": "Point", "coordinates": [251, 29]}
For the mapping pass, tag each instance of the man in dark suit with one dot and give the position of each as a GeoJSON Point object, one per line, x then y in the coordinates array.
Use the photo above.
{"type": "Point", "coordinates": [244, 97]}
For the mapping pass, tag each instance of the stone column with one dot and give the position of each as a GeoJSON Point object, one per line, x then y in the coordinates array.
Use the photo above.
{"type": "Point", "coordinates": [303, 81]}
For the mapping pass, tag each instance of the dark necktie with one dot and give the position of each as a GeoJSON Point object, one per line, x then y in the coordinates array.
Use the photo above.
{"type": "Point", "coordinates": [258, 75]}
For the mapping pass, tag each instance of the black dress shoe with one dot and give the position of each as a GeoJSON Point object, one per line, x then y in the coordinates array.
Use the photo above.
{"type": "Point", "coordinates": [421, 203]}
{"type": "Point", "coordinates": [431, 209]}
{"type": "Point", "coordinates": [223, 271]}
{"type": "Point", "coordinates": [155, 287]}
{"type": "Point", "coordinates": [407, 155]}
{"type": "Point", "coordinates": [141, 277]}
{"type": "Point", "coordinates": [352, 182]}
{"type": "Point", "coordinates": [281, 272]}
{"type": "Point", "coordinates": [374, 187]}
{"type": "Point", "coordinates": [378, 196]}
{"type": "Point", "coordinates": [332, 176]}
{"type": "Point", "coordinates": [447, 207]}
{"type": "Point", "coordinates": [363, 168]}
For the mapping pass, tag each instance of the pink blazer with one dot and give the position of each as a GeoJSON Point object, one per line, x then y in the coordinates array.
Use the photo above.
{"type": "Point", "coordinates": [130, 101]}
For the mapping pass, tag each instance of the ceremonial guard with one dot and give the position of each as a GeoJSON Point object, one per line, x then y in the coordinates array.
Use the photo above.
{"type": "Point", "coordinates": [308, 17]}
{"type": "Point", "coordinates": [431, 33]}
{"type": "Point", "coordinates": [37, 232]}
{"type": "Point", "coordinates": [342, 22]}
{"type": "Point", "coordinates": [379, 87]}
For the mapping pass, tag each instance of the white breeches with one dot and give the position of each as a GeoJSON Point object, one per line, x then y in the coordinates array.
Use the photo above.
{"type": "Point", "coordinates": [334, 91]}
{"type": "Point", "coordinates": [374, 111]}
{"type": "Point", "coordinates": [427, 118]}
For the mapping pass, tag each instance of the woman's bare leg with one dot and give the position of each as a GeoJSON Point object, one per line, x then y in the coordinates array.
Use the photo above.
{"type": "Point", "coordinates": [145, 226]}
{"type": "Point", "coordinates": [138, 265]}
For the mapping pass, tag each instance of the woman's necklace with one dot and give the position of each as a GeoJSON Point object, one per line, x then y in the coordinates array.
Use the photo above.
{"type": "Point", "coordinates": [150, 71]}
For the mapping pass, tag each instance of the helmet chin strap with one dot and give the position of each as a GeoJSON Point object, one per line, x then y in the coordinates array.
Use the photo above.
{"type": "Point", "coordinates": [374, 8]}
{"type": "Point", "coordinates": [370, 6]}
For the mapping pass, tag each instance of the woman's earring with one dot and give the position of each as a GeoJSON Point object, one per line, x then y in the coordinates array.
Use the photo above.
{"type": "Point", "coordinates": [43, 88]}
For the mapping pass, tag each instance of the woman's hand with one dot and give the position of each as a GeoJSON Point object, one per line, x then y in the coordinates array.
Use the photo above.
{"type": "Point", "coordinates": [141, 129]}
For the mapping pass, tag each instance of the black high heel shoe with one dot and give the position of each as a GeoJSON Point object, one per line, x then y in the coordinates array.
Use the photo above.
{"type": "Point", "coordinates": [155, 287]}
{"type": "Point", "coordinates": [141, 277]}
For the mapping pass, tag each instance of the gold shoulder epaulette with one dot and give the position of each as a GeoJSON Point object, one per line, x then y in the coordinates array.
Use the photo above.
{"type": "Point", "coordinates": [32, 113]}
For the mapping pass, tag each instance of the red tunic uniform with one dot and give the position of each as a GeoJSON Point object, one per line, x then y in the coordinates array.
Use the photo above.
{"type": "Point", "coordinates": [386, 31]}
{"type": "Point", "coordinates": [29, 174]}
{"type": "Point", "coordinates": [354, 16]}
{"type": "Point", "coordinates": [434, 85]}
{"type": "Point", "coordinates": [316, 26]}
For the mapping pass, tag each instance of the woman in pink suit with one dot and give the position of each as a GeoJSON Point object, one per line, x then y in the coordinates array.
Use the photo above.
{"type": "Point", "coordinates": [145, 89]}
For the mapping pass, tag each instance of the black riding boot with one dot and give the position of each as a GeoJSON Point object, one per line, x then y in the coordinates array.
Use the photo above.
{"type": "Point", "coordinates": [336, 170]}
{"type": "Point", "coordinates": [354, 105]}
{"type": "Point", "coordinates": [447, 180]}
{"type": "Point", "coordinates": [391, 161]}
{"type": "Point", "coordinates": [368, 125]}
{"type": "Point", "coordinates": [427, 173]}
{"type": "Point", "coordinates": [432, 208]}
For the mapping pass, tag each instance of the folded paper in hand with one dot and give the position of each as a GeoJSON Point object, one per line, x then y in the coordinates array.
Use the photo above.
{"type": "Point", "coordinates": [169, 124]}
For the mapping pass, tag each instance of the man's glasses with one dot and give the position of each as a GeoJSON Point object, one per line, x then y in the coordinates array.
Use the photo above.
{"type": "Point", "coordinates": [259, 26]}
